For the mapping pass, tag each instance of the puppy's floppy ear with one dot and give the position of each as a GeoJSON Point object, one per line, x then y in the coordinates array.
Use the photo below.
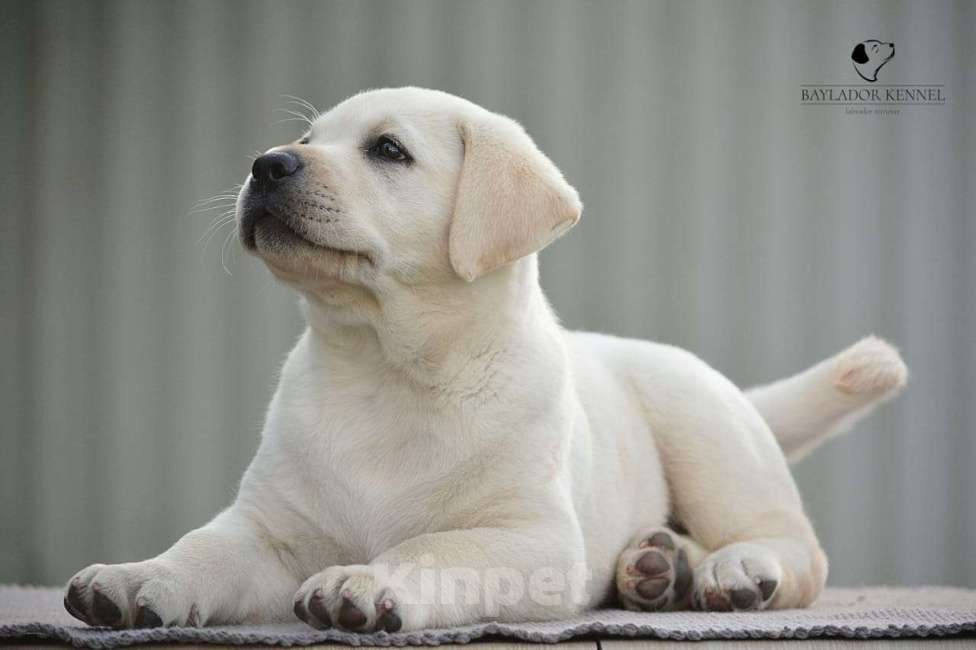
{"type": "Point", "coordinates": [511, 199]}
{"type": "Point", "coordinates": [860, 55]}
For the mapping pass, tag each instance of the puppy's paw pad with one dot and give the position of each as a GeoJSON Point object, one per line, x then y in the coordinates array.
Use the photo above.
{"type": "Point", "coordinates": [738, 577]}
{"type": "Point", "coordinates": [654, 574]}
{"type": "Point", "coordinates": [871, 365]}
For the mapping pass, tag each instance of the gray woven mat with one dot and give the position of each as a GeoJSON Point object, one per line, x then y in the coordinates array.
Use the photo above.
{"type": "Point", "coordinates": [877, 612]}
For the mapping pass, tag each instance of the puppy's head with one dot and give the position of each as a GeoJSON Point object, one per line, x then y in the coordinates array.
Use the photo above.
{"type": "Point", "coordinates": [402, 188]}
{"type": "Point", "coordinates": [869, 56]}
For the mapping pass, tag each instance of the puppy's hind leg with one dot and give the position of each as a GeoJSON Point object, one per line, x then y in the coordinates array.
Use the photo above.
{"type": "Point", "coordinates": [731, 488]}
{"type": "Point", "coordinates": [654, 572]}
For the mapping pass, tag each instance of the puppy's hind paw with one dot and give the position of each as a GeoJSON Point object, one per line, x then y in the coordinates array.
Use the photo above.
{"type": "Point", "coordinates": [654, 573]}
{"type": "Point", "coordinates": [738, 577]}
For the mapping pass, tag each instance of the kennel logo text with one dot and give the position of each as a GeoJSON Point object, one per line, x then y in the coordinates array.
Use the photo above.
{"type": "Point", "coordinates": [864, 95]}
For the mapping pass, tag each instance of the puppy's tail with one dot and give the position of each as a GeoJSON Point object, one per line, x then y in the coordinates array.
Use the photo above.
{"type": "Point", "coordinates": [828, 399]}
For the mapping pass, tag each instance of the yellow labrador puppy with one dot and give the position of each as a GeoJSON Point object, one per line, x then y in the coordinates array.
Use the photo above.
{"type": "Point", "coordinates": [439, 451]}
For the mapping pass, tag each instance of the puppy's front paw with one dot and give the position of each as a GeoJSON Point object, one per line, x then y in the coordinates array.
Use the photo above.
{"type": "Point", "coordinates": [141, 594]}
{"type": "Point", "coordinates": [654, 573]}
{"type": "Point", "coordinates": [742, 576]}
{"type": "Point", "coordinates": [353, 598]}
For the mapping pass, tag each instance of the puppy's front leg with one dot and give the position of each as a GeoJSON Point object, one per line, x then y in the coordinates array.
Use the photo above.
{"type": "Point", "coordinates": [452, 578]}
{"type": "Point", "coordinates": [225, 572]}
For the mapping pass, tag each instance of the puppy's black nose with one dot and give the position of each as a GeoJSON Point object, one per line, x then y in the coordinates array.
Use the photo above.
{"type": "Point", "coordinates": [271, 168]}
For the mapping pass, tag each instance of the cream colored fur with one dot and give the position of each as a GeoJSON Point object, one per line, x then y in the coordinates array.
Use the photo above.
{"type": "Point", "coordinates": [440, 448]}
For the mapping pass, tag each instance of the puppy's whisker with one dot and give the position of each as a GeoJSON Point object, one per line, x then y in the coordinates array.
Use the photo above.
{"type": "Point", "coordinates": [212, 236]}
{"type": "Point", "coordinates": [303, 108]}
{"type": "Point", "coordinates": [292, 119]}
{"type": "Point", "coordinates": [295, 115]}
{"type": "Point", "coordinates": [230, 192]}
{"type": "Point", "coordinates": [215, 197]}
{"type": "Point", "coordinates": [223, 199]}
{"type": "Point", "coordinates": [211, 233]}
{"type": "Point", "coordinates": [217, 206]}
{"type": "Point", "coordinates": [223, 250]}
{"type": "Point", "coordinates": [215, 227]}
{"type": "Point", "coordinates": [305, 104]}
{"type": "Point", "coordinates": [220, 218]}
{"type": "Point", "coordinates": [210, 209]}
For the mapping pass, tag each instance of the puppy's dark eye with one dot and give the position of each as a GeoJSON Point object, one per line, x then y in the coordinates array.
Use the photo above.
{"type": "Point", "coordinates": [304, 140]}
{"type": "Point", "coordinates": [387, 148]}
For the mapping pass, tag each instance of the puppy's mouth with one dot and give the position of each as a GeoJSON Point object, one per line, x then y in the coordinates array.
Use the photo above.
{"type": "Point", "coordinates": [267, 231]}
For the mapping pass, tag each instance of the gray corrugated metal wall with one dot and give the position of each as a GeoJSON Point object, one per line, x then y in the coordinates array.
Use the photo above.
{"type": "Point", "coordinates": [720, 215]}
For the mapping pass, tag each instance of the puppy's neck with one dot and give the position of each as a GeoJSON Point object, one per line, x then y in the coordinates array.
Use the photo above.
{"type": "Point", "coordinates": [448, 337]}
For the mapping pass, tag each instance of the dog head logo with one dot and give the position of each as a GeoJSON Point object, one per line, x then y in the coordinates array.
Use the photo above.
{"type": "Point", "coordinates": [869, 56]}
